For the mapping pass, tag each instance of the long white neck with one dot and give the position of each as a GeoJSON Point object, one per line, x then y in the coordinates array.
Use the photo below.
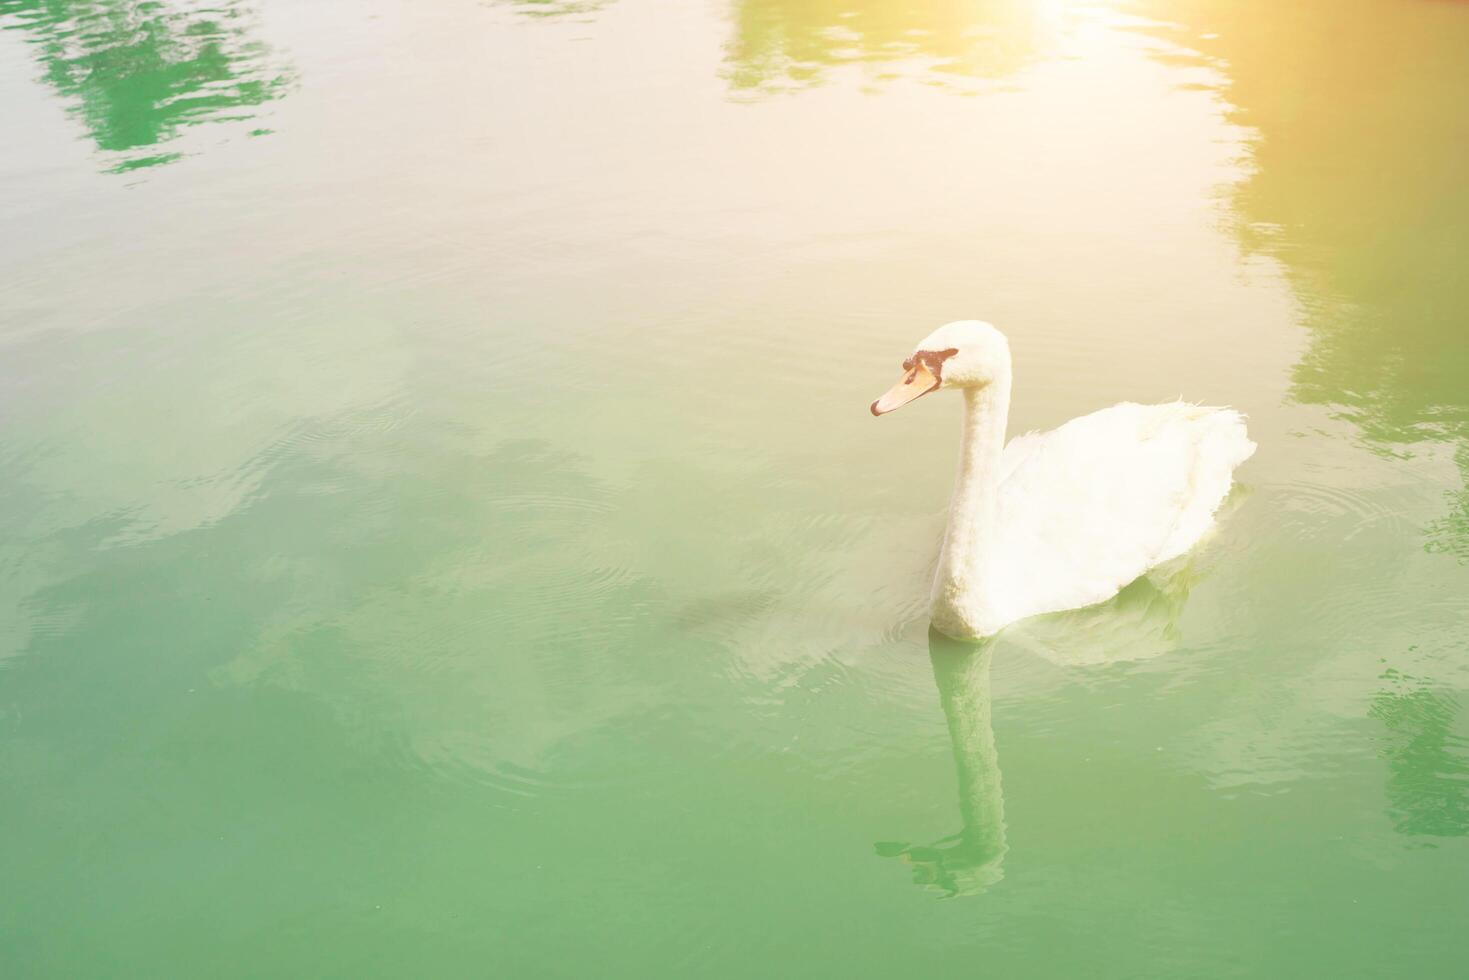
{"type": "Point", "coordinates": [962, 587]}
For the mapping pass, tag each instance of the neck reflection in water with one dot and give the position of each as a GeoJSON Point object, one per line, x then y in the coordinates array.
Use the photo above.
{"type": "Point", "coordinates": [972, 860]}
{"type": "Point", "coordinates": [1141, 622]}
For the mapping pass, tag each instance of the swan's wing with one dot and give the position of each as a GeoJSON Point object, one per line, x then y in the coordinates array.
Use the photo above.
{"type": "Point", "coordinates": [1087, 508]}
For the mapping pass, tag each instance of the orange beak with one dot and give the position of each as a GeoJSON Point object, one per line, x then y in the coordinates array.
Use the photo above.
{"type": "Point", "coordinates": [916, 381]}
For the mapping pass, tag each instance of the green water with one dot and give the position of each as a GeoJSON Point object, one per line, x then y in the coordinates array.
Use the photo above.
{"type": "Point", "coordinates": [442, 533]}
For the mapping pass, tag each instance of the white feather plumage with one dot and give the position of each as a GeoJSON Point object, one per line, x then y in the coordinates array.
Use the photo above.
{"type": "Point", "coordinates": [1065, 519]}
{"type": "Point", "coordinates": [1086, 508]}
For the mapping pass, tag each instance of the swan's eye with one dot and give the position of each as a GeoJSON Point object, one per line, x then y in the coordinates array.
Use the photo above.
{"type": "Point", "coordinates": [908, 364]}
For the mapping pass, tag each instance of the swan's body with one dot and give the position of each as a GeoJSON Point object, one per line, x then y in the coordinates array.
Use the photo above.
{"type": "Point", "coordinates": [1066, 518]}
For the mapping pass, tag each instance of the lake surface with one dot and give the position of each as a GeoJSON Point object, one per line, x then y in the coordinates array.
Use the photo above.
{"type": "Point", "coordinates": [442, 533]}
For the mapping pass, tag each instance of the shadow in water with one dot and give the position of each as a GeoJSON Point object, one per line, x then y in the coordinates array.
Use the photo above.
{"type": "Point", "coordinates": [137, 72]}
{"type": "Point", "coordinates": [785, 44]}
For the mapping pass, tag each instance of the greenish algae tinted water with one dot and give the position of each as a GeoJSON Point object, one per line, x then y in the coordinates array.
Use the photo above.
{"type": "Point", "coordinates": [442, 534]}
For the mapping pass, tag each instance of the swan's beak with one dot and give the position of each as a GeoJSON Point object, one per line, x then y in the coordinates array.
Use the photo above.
{"type": "Point", "coordinates": [917, 380]}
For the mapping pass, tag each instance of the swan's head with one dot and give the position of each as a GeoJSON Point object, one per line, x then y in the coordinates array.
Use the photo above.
{"type": "Point", "coordinates": [965, 354]}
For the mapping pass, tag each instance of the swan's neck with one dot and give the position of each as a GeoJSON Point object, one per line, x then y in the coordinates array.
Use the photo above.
{"type": "Point", "coordinates": [962, 586]}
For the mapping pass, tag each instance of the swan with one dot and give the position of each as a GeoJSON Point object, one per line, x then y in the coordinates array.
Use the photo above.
{"type": "Point", "coordinates": [1062, 519]}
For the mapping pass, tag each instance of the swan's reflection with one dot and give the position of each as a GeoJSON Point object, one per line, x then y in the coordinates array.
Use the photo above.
{"type": "Point", "coordinates": [972, 860]}
{"type": "Point", "coordinates": [1139, 623]}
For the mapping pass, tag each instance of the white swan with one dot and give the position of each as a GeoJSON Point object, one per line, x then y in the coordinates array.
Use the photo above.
{"type": "Point", "coordinates": [1066, 518]}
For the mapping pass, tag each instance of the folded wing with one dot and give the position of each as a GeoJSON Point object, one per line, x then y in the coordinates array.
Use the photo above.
{"type": "Point", "coordinates": [1086, 508]}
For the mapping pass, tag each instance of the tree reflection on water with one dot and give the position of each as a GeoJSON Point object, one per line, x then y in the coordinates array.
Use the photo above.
{"type": "Point", "coordinates": [137, 72]}
{"type": "Point", "coordinates": [1358, 191]}
{"type": "Point", "coordinates": [557, 8]}
{"type": "Point", "coordinates": [1428, 767]}
{"type": "Point", "coordinates": [783, 44]}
